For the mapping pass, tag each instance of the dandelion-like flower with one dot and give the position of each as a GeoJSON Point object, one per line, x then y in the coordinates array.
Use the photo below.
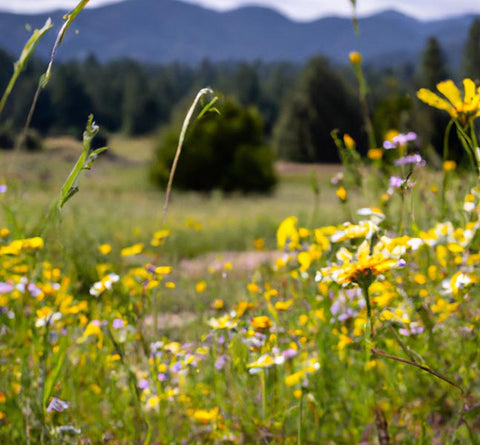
{"type": "Point", "coordinates": [465, 110]}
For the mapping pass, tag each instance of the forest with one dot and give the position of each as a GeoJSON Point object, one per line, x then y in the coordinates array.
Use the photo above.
{"type": "Point", "coordinates": [299, 104]}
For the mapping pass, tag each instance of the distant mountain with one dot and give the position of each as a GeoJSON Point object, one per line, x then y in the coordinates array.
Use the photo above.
{"type": "Point", "coordinates": [171, 30]}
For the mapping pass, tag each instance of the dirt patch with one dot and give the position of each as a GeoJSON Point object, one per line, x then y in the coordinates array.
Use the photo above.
{"type": "Point", "coordinates": [293, 168]}
{"type": "Point", "coordinates": [171, 320]}
{"type": "Point", "coordinates": [241, 262]}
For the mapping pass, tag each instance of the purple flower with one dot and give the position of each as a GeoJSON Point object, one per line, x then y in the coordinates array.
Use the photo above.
{"type": "Point", "coordinates": [176, 367]}
{"type": "Point", "coordinates": [161, 377]}
{"type": "Point", "coordinates": [400, 139]}
{"type": "Point", "coordinates": [5, 287]}
{"type": "Point", "coordinates": [289, 353]}
{"type": "Point", "coordinates": [34, 290]}
{"type": "Point", "coordinates": [117, 323]}
{"type": "Point", "coordinates": [3, 188]}
{"type": "Point", "coordinates": [401, 263]}
{"type": "Point", "coordinates": [220, 363]}
{"type": "Point", "coordinates": [411, 159]}
{"type": "Point", "coordinates": [57, 405]}
{"type": "Point", "coordinates": [396, 182]}
{"type": "Point", "coordinates": [143, 384]}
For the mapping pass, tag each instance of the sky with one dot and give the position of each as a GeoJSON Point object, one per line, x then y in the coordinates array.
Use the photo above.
{"type": "Point", "coordinates": [302, 10]}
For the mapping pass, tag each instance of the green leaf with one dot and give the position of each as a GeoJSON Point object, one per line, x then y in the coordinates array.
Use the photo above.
{"type": "Point", "coordinates": [52, 378]}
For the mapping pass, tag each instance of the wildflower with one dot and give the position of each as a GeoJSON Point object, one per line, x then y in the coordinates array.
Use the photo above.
{"type": "Point", "coordinates": [93, 329]}
{"type": "Point", "coordinates": [341, 193]}
{"type": "Point", "coordinates": [337, 178]}
{"type": "Point", "coordinates": [355, 58]}
{"type": "Point", "coordinates": [104, 249]}
{"type": "Point", "coordinates": [225, 322]}
{"type": "Point", "coordinates": [104, 284]}
{"type": "Point", "coordinates": [117, 323]}
{"type": "Point", "coordinates": [375, 154]}
{"type": "Point", "coordinates": [363, 266]}
{"type": "Point", "coordinates": [200, 286]}
{"type": "Point", "coordinates": [348, 141]}
{"type": "Point", "coordinates": [204, 416]}
{"type": "Point", "coordinates": [57, 405]}
{"type": "Point", "coordinates": [132, 250]}
{"type": "Point", "coordinates": [449, 166]}
{"type": "Point", "coordinates": [287, 234]}
{"type": "Point", "coordinates": [218, 304]}
{"type": "Point", "coordinates": [399, 139]}
{"type": "Point", "coordinates": [3, 188]}
{"type": "Point", "coordinates": [5, 288]}
{"type": "Point", "coordinates": [259, 243]}
{"type": "Point", "coordinates": [415, 159]}
{"type": "Point", "coordinates": [398, 183]}
{"type": "Point", "coordinates": [143, 384]}
{"type": "Point", "coordinates": [264, 361]}
{"type": "Point", "coordinates": [465, 110]}
{"type": "Point", "coordinates": [159, 237]}
{"type": "Point", "coordinates": [261, 322]}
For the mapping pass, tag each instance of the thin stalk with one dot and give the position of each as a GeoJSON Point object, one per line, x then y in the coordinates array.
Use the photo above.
{"type": "Point", "coordinates": [366, 294]}
{"type": "Point", "coordinates": [446, 137]}
{"type": "Point", "coordinates": [381, 353]}
{"type": "Point", "coordinates": [183, 133]}
{"type": "Point", "coordinates": [300, 420]}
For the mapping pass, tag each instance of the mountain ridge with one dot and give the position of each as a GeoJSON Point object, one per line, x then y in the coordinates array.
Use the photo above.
{"type": "Point", "coordinates": [162, 31]}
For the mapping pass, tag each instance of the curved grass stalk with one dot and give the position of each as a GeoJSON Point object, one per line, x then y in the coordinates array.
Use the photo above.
{"type": "Point", "coordinates": [181, 140]}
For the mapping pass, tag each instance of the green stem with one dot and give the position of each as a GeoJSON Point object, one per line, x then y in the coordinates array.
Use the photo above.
{"type": "Point", "coordinates": [300, 420]}
{"type": "Point", "coordinates": [446, 137]}
{"type": "Point", "coordinates": [425, 368]}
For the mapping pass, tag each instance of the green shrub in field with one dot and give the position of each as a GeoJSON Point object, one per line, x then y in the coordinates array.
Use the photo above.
{"type": "Point", "coordinates": [31, 140]}
{"type": "Point", "coordinates": [224, 152]}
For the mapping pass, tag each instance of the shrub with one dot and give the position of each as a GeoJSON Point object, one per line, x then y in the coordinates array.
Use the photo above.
{"type": "Point", "coordinates": [31, 140]}
{"type": "Point", "coordinates": [223, 152]}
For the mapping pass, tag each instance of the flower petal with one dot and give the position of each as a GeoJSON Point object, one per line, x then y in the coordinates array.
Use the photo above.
{"type": "Point", "coordinates": [451, 92]}
{"type": "Point", "coordinates": [435, 101]}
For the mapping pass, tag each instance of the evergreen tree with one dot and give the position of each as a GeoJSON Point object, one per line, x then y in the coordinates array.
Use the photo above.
{"type": "Point", "coordinates": [433, 67]}
{"type": "Point", "coordinates": [321, 102]}
{"type": "Point", "coordinates": [471, 53]}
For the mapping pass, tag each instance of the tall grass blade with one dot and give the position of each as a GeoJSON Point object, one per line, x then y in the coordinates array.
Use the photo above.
{"type": "Point", "coordinates": [45, 78]}
{"type": "Point", "coordinates": [181, 139]}
{"type": "Point", "coordinates": [21, 63]}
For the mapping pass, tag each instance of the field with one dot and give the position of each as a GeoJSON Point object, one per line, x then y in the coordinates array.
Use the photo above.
{"type": "Point", "coordinates": [242, 319]}
{"type": "Point", "coordinates": [340, 309]}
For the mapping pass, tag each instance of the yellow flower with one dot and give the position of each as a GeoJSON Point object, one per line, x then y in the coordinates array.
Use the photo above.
{"type": "Point", "coordinates": [465, 110]}
{"type": "Point", "coordinates": [348, 141]}
{"type": "Point", "coordinates": [355, 58]}
{"type": "Point", "coordinates": [104, 249]}
{"type": "Point", "coordinates": [132, 250]}
{"type": "Point", "coordinates": [259, 243]}
{"type": "Point", "coordinates": [218, 304]}
{"type": "Point", "coordinates": [375, 154]}
{"type": "Point", "coordinates": [449, 166]}
{"type": "Point", "coordinates": [287, 233]}
{"type": "Point", "coordinates": [341, 193]}
{"type": "Point", "coordinates": [200, 286]}
{"type": "Point", "coordinates": [283, 305]}
{"type": "Point", "coordinates": [204, 416]}
{"type": "Point", "coordinates": [261, 322]}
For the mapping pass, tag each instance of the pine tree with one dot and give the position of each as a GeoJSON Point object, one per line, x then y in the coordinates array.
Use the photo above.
{"type": "Point", "coordinates": [471, 53]}
{"type": "Point", "coordinates": [433, 67]}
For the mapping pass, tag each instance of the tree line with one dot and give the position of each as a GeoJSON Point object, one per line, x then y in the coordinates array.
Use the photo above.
{"type": "Point", "coordinates": [299, 105]}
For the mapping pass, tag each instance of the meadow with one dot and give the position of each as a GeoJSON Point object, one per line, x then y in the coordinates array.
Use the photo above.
{"type": "Point", "coordinates": [341, 309]}
{"type": "Point", "coordinates": [241, 319]}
